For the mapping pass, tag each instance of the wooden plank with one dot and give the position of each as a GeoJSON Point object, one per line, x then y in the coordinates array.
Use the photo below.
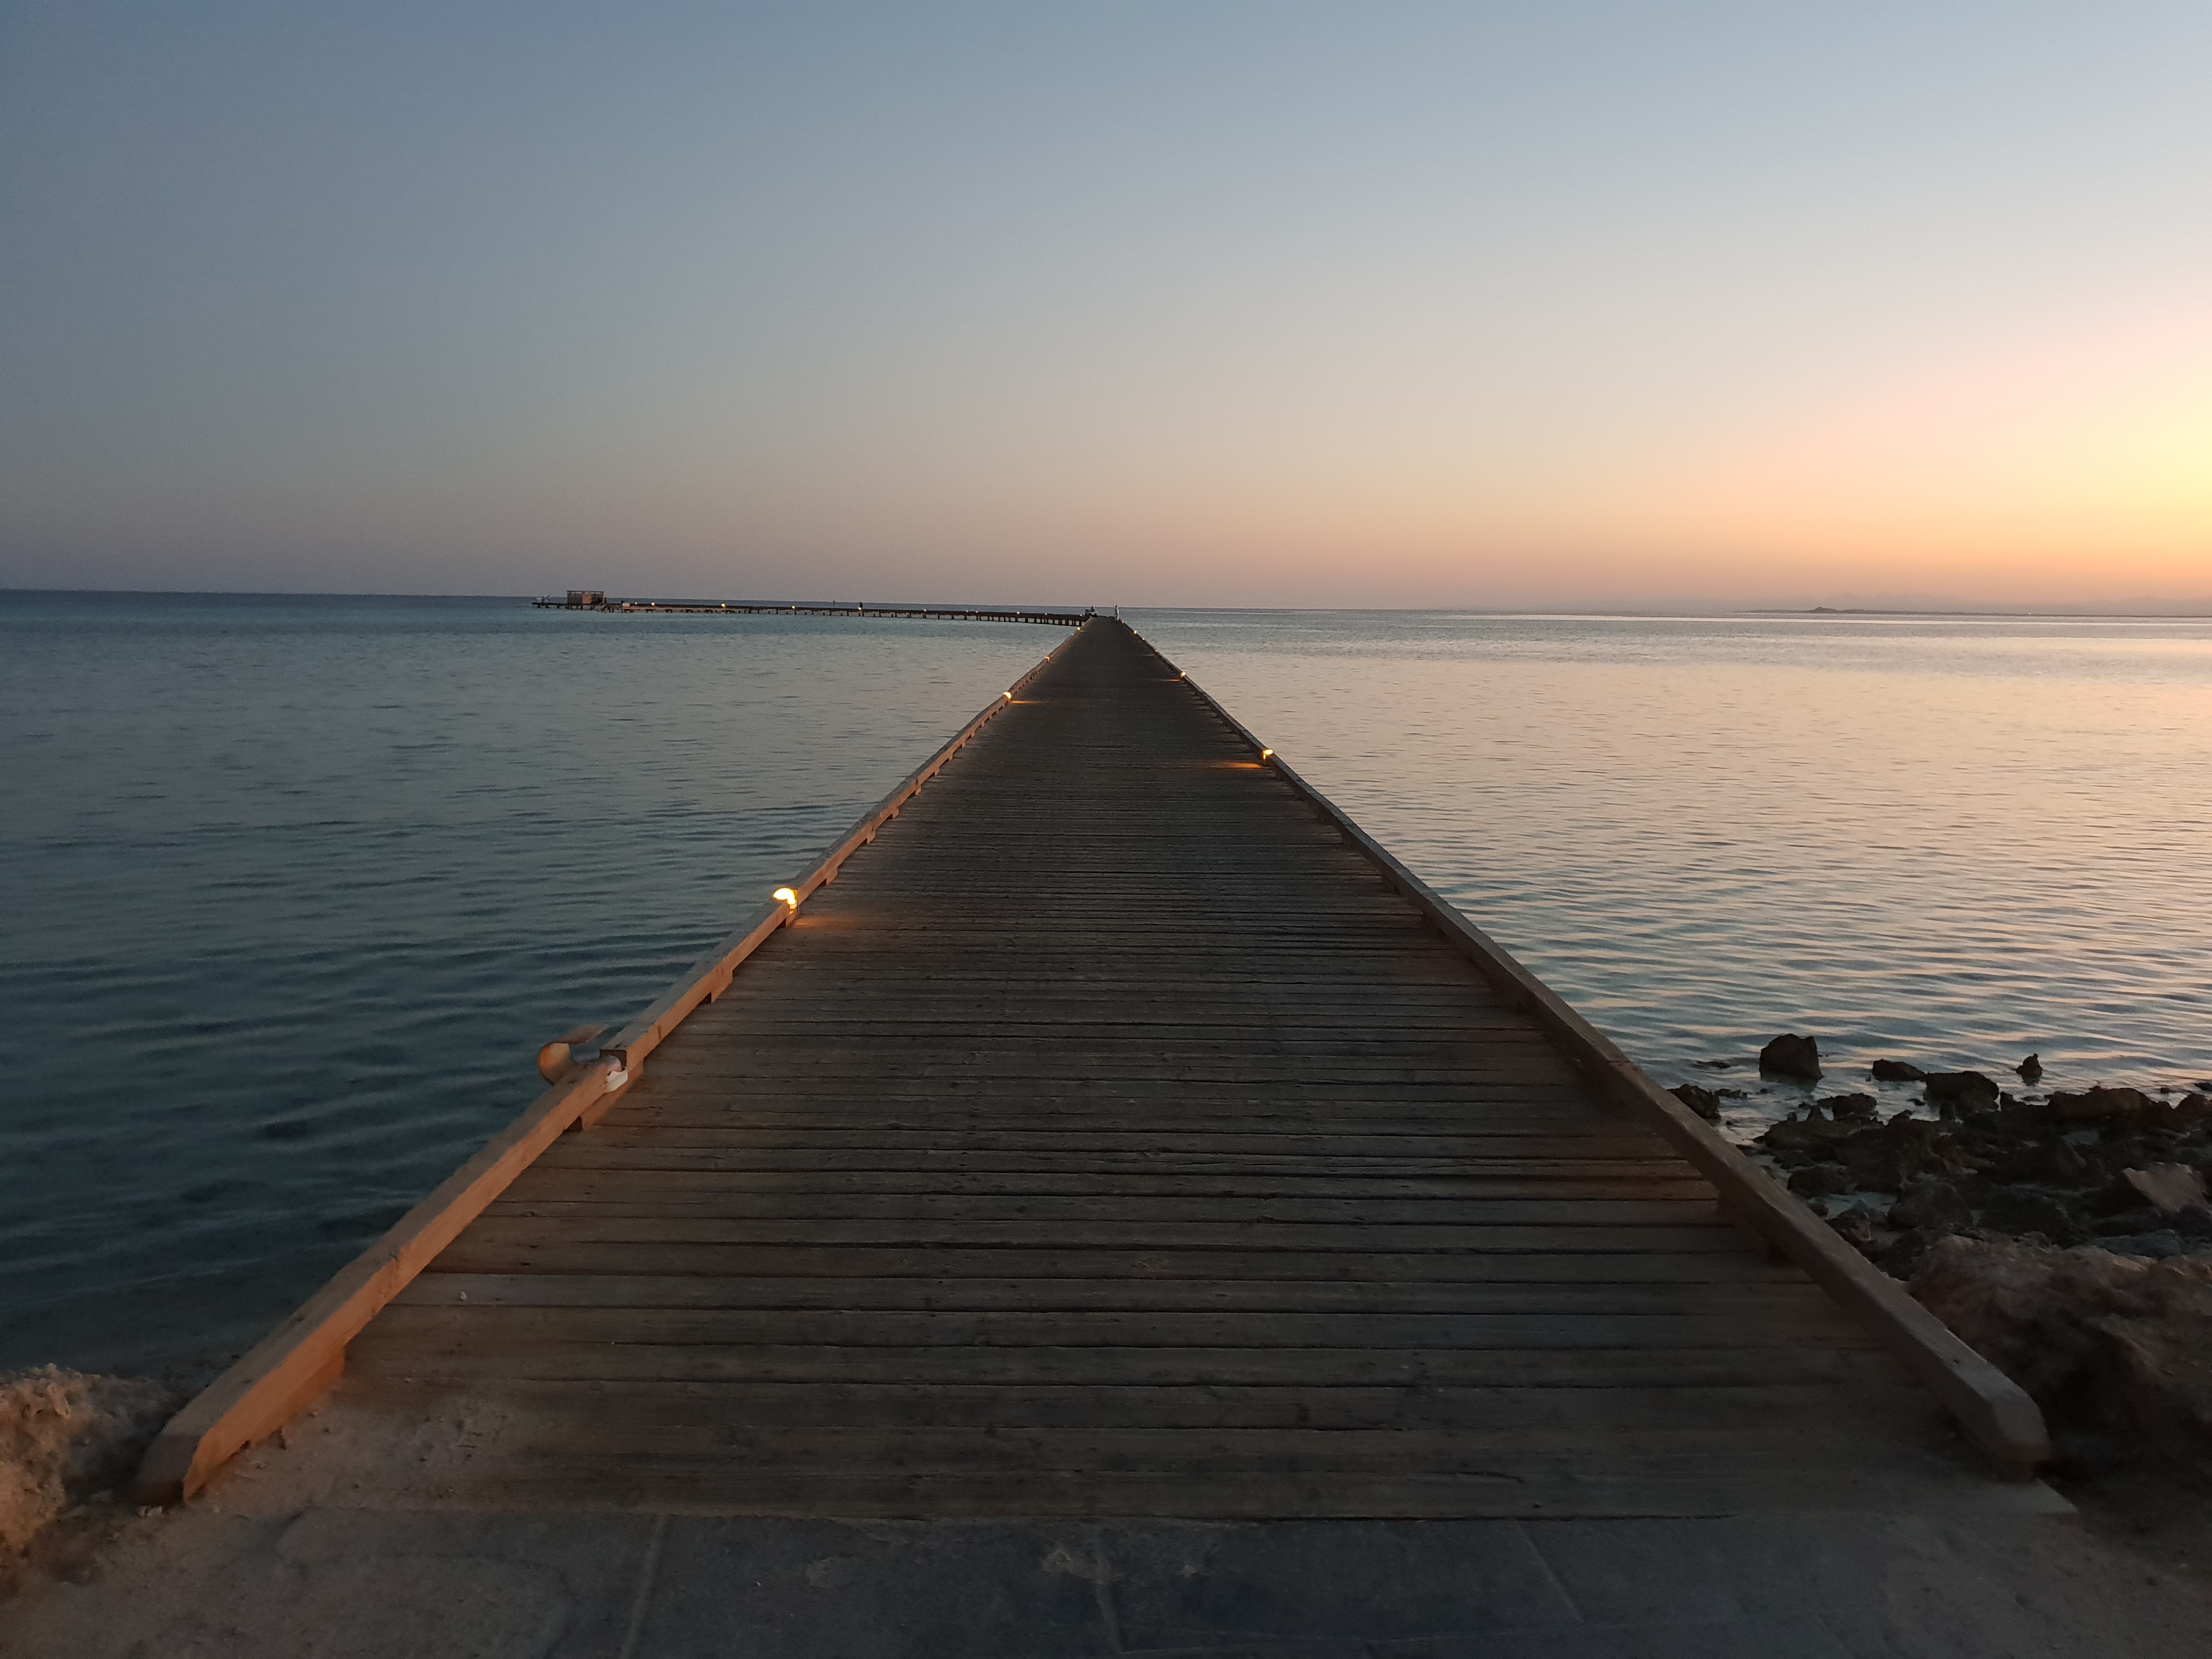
{"type": "Point", "coordinates": [1024, 1450]}
{"type": "Point", "coordinates": [962, 1124]}
{"type": "Point", "coordinates": [574, 1192]}
{"type": "Point", "coordinates": [1441, 1089]}
{"type": "Point", "coordinates": [478, 1365]}
{"type": "Point", "coordinates": [980, 1117]}
{"type": "Point", "coordinates": [697, 1148]}
{"type": "Point", "coordinates": [1481, 1051]}
{"type": "Point", "coordinates": [1116, 1294]}
{"type": "Point", "coordinates": [1131, 1078]}
{"type": "Point", "coordinates": [1219, 1195]}
{"type": "Point", "coordinates": [987, 1160]}
{"type": "Point", "coordinates": [1048, 1327]}
{"type": "Point", "coordinates": [481, 1250]}
{"type": "Point", "coordinates": [711, 1173]}
{"type": "Point", "coordinates": [1578, 1410]}
{"type": "Point", "coordinates": [1182, 1002]}
{"type": "Point", "coordinates": [581, 1223]}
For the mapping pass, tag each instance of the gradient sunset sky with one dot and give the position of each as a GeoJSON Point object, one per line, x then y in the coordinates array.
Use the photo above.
{"type": "Point", "coordinates": [1199, 303]}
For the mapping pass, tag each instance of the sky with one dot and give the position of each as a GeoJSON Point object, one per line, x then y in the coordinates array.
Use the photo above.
{"type": "Point", "coordinates": [1202, 303]}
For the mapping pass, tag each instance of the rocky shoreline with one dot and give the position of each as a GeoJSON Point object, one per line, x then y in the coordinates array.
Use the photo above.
{"type": "Point", "coordinates": [2065, 1235]}
{"type": "Point", "coordinates": [2118, 1168]}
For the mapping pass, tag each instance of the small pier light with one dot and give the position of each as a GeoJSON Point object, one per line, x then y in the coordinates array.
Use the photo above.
{"type": "Point", "coordinates": [788, 897]}
{"type": "Point", "coordinates": [1008, 696]}
{"type": "Point", "coordinates": [1266, 754]}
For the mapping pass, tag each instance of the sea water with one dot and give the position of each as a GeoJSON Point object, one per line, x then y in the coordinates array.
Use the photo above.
{"type": "Point", "coordinates": [296, 887]}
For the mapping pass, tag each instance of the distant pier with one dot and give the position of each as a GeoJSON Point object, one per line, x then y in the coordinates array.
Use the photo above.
{"type": "Point", "coordinates": [593, 598]}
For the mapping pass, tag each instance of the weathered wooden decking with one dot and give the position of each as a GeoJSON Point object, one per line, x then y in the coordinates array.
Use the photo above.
{"type": "Point", "coordinates": [1110, 1139]}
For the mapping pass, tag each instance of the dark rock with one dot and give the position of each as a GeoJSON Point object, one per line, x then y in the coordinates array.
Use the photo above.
{"type": "Point", "coordinates": [2121, 1345]}
{"type": "Point", "coordinates": [2030, 1070]}
{"type": "Point", "coordinates": [2116, 1197]}
{"type": "Point", "coordinates": [1732, 1094]}
{"type": "Point", "coordinates": [1894, 1071]}
{"type": "Point", "coordinates": [1901, 1257]}
{"type": "Point", "coordinates": [1928, 1203]}
{"type": "Point", "coordinates": [1820, 1180]}
{"type": "Point", "coordinates": [1791, 1055]}
{"type": "Point", "coordinates": [1714, 1065]}
{"type": "Point", "coordinates": [1964, 1092]}
{"type": "Point", "coordinates": [1704, 1101]}
{"type": "Point", "coordinates": [1890, 1155]}
{"type": "Point", "coordinates": [2098, 1106]}
{"type": "Point", "coordinates": [2169, 1188]}
{"type": "Point", "coordinates": [2046, 1160]}
{"type": "Point", "coordinates": [1855, 1226]}
{"type": "Point", "coordinates": [2141, 1219]}
{"type": "Point", "coordinates": [2156, 1246]}
{"type": "Point", "coordinates": [1850, 1109]}
{"type": "Point", "coordinates": [2024, 1210]}
{"type": "Point", "coordinates": [1807, 1140]}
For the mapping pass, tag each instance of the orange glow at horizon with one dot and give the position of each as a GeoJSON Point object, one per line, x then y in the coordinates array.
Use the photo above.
{"type": "Point", "coordinates": [2078, 464]}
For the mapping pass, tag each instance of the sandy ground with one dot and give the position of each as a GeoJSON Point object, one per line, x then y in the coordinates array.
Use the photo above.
{"type": "Point", "coordinates": [349, 1540]}
{"type": "Point", "coordinates": [2163, 1518]}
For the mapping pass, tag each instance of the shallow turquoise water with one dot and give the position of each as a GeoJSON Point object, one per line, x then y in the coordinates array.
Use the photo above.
{"type": "Point", "coordinates": [297, 886]}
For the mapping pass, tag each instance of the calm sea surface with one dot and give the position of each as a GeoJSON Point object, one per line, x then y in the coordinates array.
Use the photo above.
{"type": "Point", "coordinates": [296, 886]}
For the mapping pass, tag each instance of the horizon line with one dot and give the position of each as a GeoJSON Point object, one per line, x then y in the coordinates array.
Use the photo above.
{"type": "Point", "coordinates": [1621, 609]}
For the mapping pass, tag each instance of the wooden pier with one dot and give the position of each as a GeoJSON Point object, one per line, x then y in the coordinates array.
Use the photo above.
{"type": "Point", "coordinates": [1110, 1128]}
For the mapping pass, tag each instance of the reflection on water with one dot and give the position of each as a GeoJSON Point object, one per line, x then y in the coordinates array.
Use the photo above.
{"type": "Point", "coordinates": [297, 887]}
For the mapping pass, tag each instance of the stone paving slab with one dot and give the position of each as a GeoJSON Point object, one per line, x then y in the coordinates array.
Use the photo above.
{"type": "Point", "coordinates": [326, 1583]}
